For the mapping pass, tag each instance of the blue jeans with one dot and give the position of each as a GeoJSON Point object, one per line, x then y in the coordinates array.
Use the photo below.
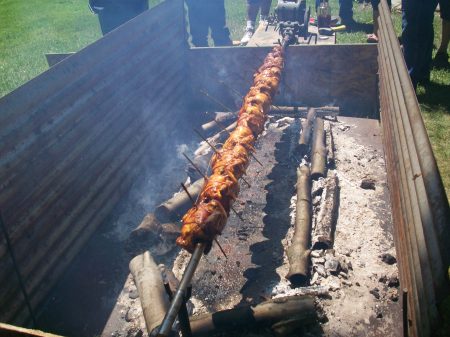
{"type": "Point", "coordinates": [417, 37]}
{"type": "Point", "coordinates": [117, 13]}
{"type": "Point", "coordinates": [205, 15]}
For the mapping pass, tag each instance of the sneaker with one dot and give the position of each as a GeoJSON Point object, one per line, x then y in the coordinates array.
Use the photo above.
{"type": "Point", "coordinates": [263, 20]}
{"type": "Point", "coordinates": [247, 35]}
{"type": "Point", "coordinates": [440, 61]}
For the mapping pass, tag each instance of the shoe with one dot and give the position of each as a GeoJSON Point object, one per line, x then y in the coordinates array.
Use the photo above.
{"type": "Point", "coordinates": [372, 38]}
{"type": "Point", "coordinates": [247, 35]}
{"type": "Point", "coordinates": [440, 61]}
{"type": "Point", "coordinates": [263, 20]}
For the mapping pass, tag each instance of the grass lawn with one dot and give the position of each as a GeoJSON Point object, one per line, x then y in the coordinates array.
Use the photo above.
{"type": "Point", "coordinates": [29, 29]}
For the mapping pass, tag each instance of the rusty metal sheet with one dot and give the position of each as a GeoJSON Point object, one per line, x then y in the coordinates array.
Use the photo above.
{"type": "Point", "coordinates": [74, 139]}
{"type": "Point", "coordinates": [313, 76]}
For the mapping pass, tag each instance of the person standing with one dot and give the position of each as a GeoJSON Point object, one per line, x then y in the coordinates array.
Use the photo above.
{"type": "Point", "coordinates": [253, 7]}
{"type": "Point", "coordinates": [114, 13]}
{"type": "Point", "coordinates": [417, 38]}
{"type": "Point", "coordinates": [441, 57]}
{"type": "Point", "coordinates": [204, 15]}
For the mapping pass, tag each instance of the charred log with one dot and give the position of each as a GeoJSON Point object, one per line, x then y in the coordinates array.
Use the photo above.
{"type": "Point", "coordinates": [326, 219]}
{"type": "Point", "coordinates": [172, 209]}
{"type": "Point", "coordinates": [306, 128]}
{"type": "Point", "coordinates": [318, 162]}
{"type": "Point", "coordinates": [270, 312]}
{"type": "Point", "coordinates": [152, 294]}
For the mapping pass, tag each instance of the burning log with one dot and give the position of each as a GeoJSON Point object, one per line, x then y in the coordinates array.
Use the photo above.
{"type": "Point", "coordinates": [172, 209]}
{"type": "Point", "coordinates": [306, 128]}
{"type": "Point", "coordinates": [205, 149]}
{"type": "Point", "coordinates": [319, 155]}
{"type": "Point", "coordinates": [298, 252]}
{"type": "Point", "coordinates": [326, 219]}
{"type": "Point", "coordinates": [221, 117]}
{"type": "Point", "coordinates": [151, 233]}
{"type": "Point", "coordinates": [152, 294]}
{"type": "Point", "coordinates": [303, 111]}
{"type": "Point", "coordinates": [269, 312]}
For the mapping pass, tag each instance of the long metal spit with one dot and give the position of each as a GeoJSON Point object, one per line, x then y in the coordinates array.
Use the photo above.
{"type": "Point", "coordinates": [180, 294]}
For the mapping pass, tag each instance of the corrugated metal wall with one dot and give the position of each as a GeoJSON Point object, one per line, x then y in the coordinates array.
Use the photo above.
{"type": "Point", "coordinates": [73, 140]}
{"type": "Point", "coordinates": [419, 204]}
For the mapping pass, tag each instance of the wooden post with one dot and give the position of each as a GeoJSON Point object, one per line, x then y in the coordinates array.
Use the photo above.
{"type": "Point", "coordinates": [298, 251]}
{"type": "Point", "coordinates": [152, 293]}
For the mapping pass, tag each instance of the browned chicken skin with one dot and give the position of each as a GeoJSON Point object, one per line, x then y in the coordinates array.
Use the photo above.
{"type": "Point", "coordinates": [207, 218]}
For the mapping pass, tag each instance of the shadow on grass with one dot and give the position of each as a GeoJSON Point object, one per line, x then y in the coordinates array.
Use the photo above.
{"type": "Point", "coordinates": [435, 95]}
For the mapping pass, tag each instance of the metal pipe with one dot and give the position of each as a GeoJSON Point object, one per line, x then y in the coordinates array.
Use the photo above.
{"type": "Point", "coordinates": [180, 295]}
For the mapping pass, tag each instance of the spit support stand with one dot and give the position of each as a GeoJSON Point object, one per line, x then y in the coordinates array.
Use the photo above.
{"type": "Point", "coordinates": [181, 294]}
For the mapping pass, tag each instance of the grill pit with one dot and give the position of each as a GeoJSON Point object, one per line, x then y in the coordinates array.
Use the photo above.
{"type": "Point", "coordinates": [360, 295]}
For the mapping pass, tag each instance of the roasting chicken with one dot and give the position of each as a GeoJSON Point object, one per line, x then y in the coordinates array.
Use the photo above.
{"type": "Point", "coordinates": [207, 218]}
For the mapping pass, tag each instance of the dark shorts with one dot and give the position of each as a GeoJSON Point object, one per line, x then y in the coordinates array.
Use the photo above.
{"type": "Point", "coordinates": [444, 6]}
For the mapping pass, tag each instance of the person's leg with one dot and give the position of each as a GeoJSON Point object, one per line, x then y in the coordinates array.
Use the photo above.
{"type": "Point", "coordinates": [252, 12]}
{"type": "Point", "coordinates": [198, 24]}
{"type": "Point", "coordinates": [217, 22]}
{"type": "Point", "coordinates": [445, 39]}
{"type": "Point", "coordinates": [444, 6]}
{"type": "Point", "coordinates": [346, 11]}
{"type": "Point", "coordinates": [265, 9]}
{"type": "Point", "coordinates": [375, 15]}
{"type": "Point", "coordinates": [417, 37]}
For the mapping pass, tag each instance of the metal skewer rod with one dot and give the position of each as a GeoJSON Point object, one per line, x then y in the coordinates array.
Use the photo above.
{"type": "Point", "coordinates": [181, 292]}
{"type": "Point", "coordinates": [206, 141]}
{"type": "Point", "coordinates": [195, 166]}
{"type": "Point", "coordinates": [221, 249]}
{"type": "Point", "coordinates": [189, 194]}
{"type": "Point", "coordinates": [232, 89]}
{"type": "Point", "coordinates": [216, 101]}
{"type": "Point", "coordinates": [217, 152]}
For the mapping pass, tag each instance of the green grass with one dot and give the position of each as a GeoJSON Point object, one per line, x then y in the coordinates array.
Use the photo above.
{"type": "Point", "coordinates": [30, 29]}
